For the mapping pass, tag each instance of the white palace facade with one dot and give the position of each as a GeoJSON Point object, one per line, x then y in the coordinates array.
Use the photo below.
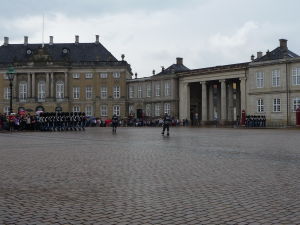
{"type": "Point", "coordinates": [267, 86]}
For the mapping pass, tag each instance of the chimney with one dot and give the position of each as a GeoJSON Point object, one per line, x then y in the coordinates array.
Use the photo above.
{"type": "Point", "coordinates": [283, 43]}
{"type": "Point", "coordinates": [5, 41]}
{"type": "Point", "coordinates": [162, 69]}
{"type": "Point", "coordinates": [25, 40]}
{"type": "Point", "coordinates": [252, 58]}
{"type": "Point", "coordinates": [135, 75]}
{"type": "Point", "coordinates": [51, 40]}
{"type": "Point", "coordinates": [179, 61]}
{"type": "Point", "coordinates": [259, 54]}
{"type": "Point", "coordinates": [76, 39]}
{"type": "Point", "coordinates": [97, 39]}
{"type": "Point", "coordinates": [153, 72]}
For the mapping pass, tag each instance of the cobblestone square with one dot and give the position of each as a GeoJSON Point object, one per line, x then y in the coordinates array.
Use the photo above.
{"type": "Point", "coordinates": [195, 176]}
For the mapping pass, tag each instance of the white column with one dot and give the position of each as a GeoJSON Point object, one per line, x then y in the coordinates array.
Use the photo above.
{"type": "Point", "coordinates": [52, 86]}
{"type": "Point", "coordinates": [28, 85]}
{"type": "Point", "coordinates": [204, 101]}
{"type": "Point", "coordinates": [230, 101]}
{"type": "Point", "coordinates": [238, 99]}
{"type": "Point", "coordinates": [184, 101]}
{"type": "Point", "coordinates": [33, 85]}
{"type": "Point", "coordinates": [66, 85]}
{"type": "Point", "coordinates": [243, 93]}
{"type": "Point", "coordinates": [47, 85]}
{"type": "Point", "coordinates": [223, 101]}
{"type": "Point", "coordinates": [211, 102]}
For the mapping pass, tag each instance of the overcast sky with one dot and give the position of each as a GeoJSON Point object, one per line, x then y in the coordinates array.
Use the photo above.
{"type": "Point", "coordinates": [152, 33]}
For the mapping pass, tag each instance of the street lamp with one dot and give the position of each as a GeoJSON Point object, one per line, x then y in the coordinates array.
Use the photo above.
{"type": "Point", "coordinates": [10, 75]}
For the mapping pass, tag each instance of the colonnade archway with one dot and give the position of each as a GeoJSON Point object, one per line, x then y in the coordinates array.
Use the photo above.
{"type": "Point", "coordinates": [213, 101]}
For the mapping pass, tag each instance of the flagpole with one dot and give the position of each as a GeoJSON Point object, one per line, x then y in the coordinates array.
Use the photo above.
{"type": "Point", "coordinates": [43, 30]}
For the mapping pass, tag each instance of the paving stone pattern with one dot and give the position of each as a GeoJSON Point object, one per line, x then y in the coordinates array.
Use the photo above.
{"type": "Point", "coordinates": [195, 176]}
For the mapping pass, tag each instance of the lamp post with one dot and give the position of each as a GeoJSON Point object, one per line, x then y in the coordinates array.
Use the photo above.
{"type": "Point", "coordinates": [10, 75]}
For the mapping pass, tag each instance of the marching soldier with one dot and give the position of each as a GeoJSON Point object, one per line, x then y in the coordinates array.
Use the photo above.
{"type": "Point", "coordinates": [166, 124]}
{"type": "Point", "coordinates": [115, 122]}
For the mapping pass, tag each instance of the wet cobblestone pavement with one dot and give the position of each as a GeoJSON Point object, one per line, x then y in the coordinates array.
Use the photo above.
{"type": "Point", "coordinates": [195, 176]}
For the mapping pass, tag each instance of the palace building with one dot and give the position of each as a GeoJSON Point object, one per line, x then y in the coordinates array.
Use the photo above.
{"type": "Point", "coordinates": [86, 77]}
{"type": "Point", "coordinates": [267, 86]}
{"type": "Point", "coordinates": [78, 77]}
{"type": "Point", "coordinates": [153, 96]}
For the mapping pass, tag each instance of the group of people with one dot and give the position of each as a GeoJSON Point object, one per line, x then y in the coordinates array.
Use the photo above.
{"type": "Point", "coordinates": [44, 121]}
{"type": "Point", "coordinates": [62, 121]}
{"type": "Point", "coordinates": [255, 121]}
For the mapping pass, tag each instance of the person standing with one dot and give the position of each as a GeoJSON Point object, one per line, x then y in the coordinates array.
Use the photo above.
{"type": "Point", "coordinates": [166, 124]}
{"type": "Point", "coordinates": [115, 122]}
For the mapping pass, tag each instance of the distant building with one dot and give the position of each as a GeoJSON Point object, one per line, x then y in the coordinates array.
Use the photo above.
{"type": "Point", "coordinates": [273, 85]}
{"type": "Point", "coordinates": [151, 97]}
{"type": "Point", "coordinates": [267, 86]}
{"type": "Point", "coordinates": [78, 77]}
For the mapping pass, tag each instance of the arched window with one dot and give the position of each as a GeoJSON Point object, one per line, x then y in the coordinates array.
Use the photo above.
{"type": "Point", "coordinates": [59, 90]}
{"type": "Point", "coordinates": [23, 91]}
{"type": "Point", "coordinates": [41, 90]}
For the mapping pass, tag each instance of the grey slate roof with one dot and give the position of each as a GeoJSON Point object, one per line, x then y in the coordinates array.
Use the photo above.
{"type": "Point", "coordinates": [277, 53]}
{"type": "Point", "coordinates": [79, 52]}
{"type": "Point", "coordinates": [174, 69]}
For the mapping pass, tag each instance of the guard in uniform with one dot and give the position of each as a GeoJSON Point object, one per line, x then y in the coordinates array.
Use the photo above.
{"type": "Point", "coordinates": [166, 124]}
{"type": "Point", "coordinates": [115, 122]}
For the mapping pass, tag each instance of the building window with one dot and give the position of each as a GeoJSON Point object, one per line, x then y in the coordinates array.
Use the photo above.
{"type": "Point", "coordinates": [148, 90]}
{"type": "Point", "coordinates": [116, 92]}
{"type": "Point", "coordinates": [103, 75]}
{"type": "Point", "coordinates": [157, 90]}
{"type": "Point", "coordinates": [157, 109]}
{"type": "Point", "coordinates": [167, 89]}
{"type": "Point", "coordinates": [76, 92]}
{"type": "Point", "coordinates": [260, 105]}
{"type": "Point", "coordinates": [276, 105]}
{"type": "Point", "coordinates": [89, 110]}
{"type": "Point", "coordinates": [139, 91]}
{"type": "Point", "coordinates": [167, 107]}
{"type": "Point", "coordinates": [275, 78]}
{"type": "Point", "coordinates": [23, 91]}
{"type": "Point", "coordinates": [103, 110]}
{"type": "Point", "coordinates": [103, 93]}
{"type": "Point", "coordinates": [6, 93]}
{"type": "Point", "coordinates": [259, 79]}
{"type": "Point", "coordinates": [88, 76]}
{"type": "Point", "coordinates": [76, 75]}
{"type": "Point", "coordinates": [131, 92]}
{"type": "Point", "coordinates": [60, 90]}
{"type": "Point", "coordinates": [116, 110]}
{"type": "Point", "coordinates": [41, 91]}
{"type": "Point", "coordinates": [116, 75]}
{"type": "Point", "coordinates": [296, 76]}
{"type": "Point", "coordinates": [131, 110]}
{"type": "Point", "coordinates": [76, 108]}
{"type": "Point", "coordinates": [88, 92]}
{"type": "Point", "coordinates": [6, 110]}
{"type": "Point", "coordinates": [148, 110]}
{"type": "Point", "coordinates": [296, 104]}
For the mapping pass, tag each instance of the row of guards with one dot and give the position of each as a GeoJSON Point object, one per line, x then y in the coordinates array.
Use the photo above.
{"type": "Point", "coordinates": [262, 120]}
